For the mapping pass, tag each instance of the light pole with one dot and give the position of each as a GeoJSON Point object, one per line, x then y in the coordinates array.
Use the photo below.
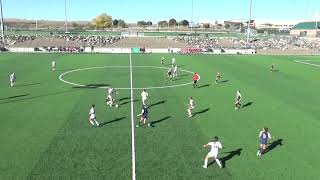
{"type": "Point", "coordinates": [2, 26]}
{"type": "Point", "coordinates": [248, 30]}
{"type": "Point", "coordinates": [65, 13]}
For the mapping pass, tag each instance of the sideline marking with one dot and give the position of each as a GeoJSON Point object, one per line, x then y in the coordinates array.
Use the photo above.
{"type": "Point", "coordinates": [132, 125]}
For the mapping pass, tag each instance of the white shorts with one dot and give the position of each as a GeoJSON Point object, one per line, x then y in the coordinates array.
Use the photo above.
{"type": "Point", "coordinates": [109, 98]}
{"type": "Point", "coordinates": [92, 116]}
{"type": "Point", "coordinates": [213, 154]}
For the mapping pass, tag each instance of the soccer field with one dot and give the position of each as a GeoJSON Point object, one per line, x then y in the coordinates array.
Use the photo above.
{"type": "Point", "coordinates": [45, 133]}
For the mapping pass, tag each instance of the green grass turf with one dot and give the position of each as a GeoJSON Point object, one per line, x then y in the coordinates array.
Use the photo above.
{"type": "Point", "coordinates": [45, 133]}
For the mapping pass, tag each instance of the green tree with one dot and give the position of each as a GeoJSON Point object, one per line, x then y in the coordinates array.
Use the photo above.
{"type": "Point", "coordinates": [206, 25]}
{"type": "Point", "coordinates": [172, 22]}
{"type": "Point", "coordinates": [102, 21]}
{"type": "Point", "coordinates": [115, 23]}
{"type": "Point", "coordinates": [122, 24]}
{"type": "Point", "coordinates": [184, 23]}
{"type": "Point", "coordinates": [227, 26]}
{"type": "Point", "coordinates": [149, 23]}
{"type": "Point", "coordinates": [163, 23]}
{"type": "Point", "coordinates": [142, 23]}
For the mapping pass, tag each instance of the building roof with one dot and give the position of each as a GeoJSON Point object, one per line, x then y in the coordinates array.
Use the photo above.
{"type": "Point", "coordinates": [307, 25]}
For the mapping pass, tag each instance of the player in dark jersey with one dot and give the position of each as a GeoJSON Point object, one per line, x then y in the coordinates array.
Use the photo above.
{"type": "Point", "coordinates": [169, 74]}
{"type": "Point", "coordinates": [264, 137]}
{"type": "Point", "coordinates": [195, 79]}
{"type": "Point", "coordinates": [144, 116]}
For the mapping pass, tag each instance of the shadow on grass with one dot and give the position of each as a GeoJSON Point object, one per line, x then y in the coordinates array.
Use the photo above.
{"type": "Point", "coordinates": [126, 98]}
{"type": "Point", "coordinates": [224, 81]}
{"type": "Point", "coordinates": [17, 96]}
{"type": "Point", "coordinates": [127, 102]}
{"type": "Point", "coordinates": [247, 104]}
{"type": "Point", "coordinates": [201, 112]}
{"type": "Point", "coordinates": [203, 86]}
{"type": "Point", "coordinates": [157, 103]}
{"type": "Point", "coordinates": [273, 145]}
{"type": "Point", "coordinates": [113, 121]}
{"type": "Point", "coordinates": [158, 121]}
{"type": "Point", "coordinates": [24, 85]}
{"type": "Point", "coordinates": [91, 86]}
{"type": "Point", "coordinates": [230, 155]}
{"type": "Point", "coordinates": [38, 96]}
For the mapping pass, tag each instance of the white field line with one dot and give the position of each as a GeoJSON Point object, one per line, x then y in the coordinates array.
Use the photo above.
{"type": "Point", "coordinates": [302, 62]}
{"type": "Point", "coordinates": [122, 88]}
{"type": "Point", "coordinates": [132, 125]}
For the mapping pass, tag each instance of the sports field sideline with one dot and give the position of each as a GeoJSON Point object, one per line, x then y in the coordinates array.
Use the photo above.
{"type": "Point", "coordinates": [45, 133]}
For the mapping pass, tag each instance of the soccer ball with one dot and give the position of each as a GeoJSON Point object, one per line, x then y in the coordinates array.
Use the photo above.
{"type": "Point", "coordinates": [117, 105]}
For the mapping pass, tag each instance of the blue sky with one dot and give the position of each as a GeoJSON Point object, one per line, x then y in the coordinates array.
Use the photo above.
{"type": "Point", "coordinates": [155, 10]}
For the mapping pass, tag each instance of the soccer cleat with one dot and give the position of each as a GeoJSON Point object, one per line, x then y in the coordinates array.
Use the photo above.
{"type": "Point", "coordinates": [204, 166]}
{"type": "Point", "coordinates": [149, 124]}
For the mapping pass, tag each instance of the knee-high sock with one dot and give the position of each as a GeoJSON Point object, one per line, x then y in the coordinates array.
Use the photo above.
{"type": "Point", "coordinates": [219, 163]}
{"type": "Point", "coordinates": [205, 162]}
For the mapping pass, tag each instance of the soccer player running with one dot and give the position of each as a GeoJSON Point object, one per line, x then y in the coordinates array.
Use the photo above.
{"type": "Point", "coordinates": [169, 74]}
{"type": "Point", "coordinates": [273, 67]}
{"type": "Point", "coordinates": [12, 79]}
{"type": "Point", "coordinates": [144, 116]}
{"type": "Point", "coordinates": [173, 62]}
{"type": "Point", "coordinates": [110, 98]}
{"type": "Point", "coordinates": [215, 146]}
{"type": "Point", "coordinates": [218, 76]}
{"type": "Point", "coordinates": [162, 61]}
{"type": "Point", "coordinates": [53, 65]}
{"type": "Point", "coordinates": [195, 78]}
{"type": "Point", "coordinates": [92, 116]}
{"type": "Point", "coordinates": [190, 107]}
{"type": "Point", "coordinates": [238, 100]}
{"type": "Point", "coordinates": [175, 71]}
{"type": "Point", "coordinates": [144, 96]}
{"type": "Point", "coordinates": [264, 136]}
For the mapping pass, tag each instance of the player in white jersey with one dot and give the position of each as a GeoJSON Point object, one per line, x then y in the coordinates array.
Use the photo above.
{"type": "Point", "coordinates": [238, 100]}
{"type": "Point", "coordinates": [53, 65]}
{"type": "Point", "coordinates": [92, 116]}
{"type": "Point", "coordinates": [173, 61]}
{"type": "Point", "coordinates": [144, 96]}
{"type": "Point", "coordinates": [214, 151]}
{"type": "Point", "coordinates": [175, 71]}
{"type": "Point", "coordinates": [190, 106]}
{"type": "Point", "coordinates": [162, 61]}
{"type": "Point", "coordinates": [110, 98]}
{"type": "Point", "coordinates": [12, 79]}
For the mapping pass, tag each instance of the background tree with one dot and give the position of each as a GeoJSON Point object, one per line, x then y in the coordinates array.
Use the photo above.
{"type": "Point", "coordinates": [184, 23]}
{"type": "Point", "coordinates": [163, 23]}
{"type": "Point", "coordinates": [206, 25]}
{"type": "Point", "coordinates": [115, 23]}
{"type": "Point", "coordinates": [102, 21]}
{"type": "Point", "coordinates": [227, 26]}
{"type": "Point", "coordinates": [122, 24]}
{"type": "Point", "coordinates": [172, 22]}
{"type": "Point", "coordinates": [149, 23]}
{"type": "Point", "coordinates": [142, 23]}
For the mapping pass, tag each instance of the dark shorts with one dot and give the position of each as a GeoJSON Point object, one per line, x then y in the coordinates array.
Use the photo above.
{"type": "Point", "coordinates": [144, 116]}
{"type": "Point", "coordinates": [195, 81]}
{"type": "Point", "coordinates": [264, 141]}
